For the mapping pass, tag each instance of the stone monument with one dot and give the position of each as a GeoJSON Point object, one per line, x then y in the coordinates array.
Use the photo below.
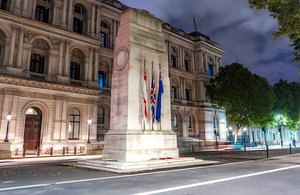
{"type": "Point", "coordinates": [139, 38]}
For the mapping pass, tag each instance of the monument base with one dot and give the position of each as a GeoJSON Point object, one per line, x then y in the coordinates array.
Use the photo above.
{"type": "Point", "coordinates": [5, 152]}
{"type": "Point", "coordinates": [136, 145]}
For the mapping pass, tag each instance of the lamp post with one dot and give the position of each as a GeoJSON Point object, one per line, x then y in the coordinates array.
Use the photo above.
{"type": "Point", "coordinates": [8, 117]}
{"type": "Point", "coordinates": [89, 122]}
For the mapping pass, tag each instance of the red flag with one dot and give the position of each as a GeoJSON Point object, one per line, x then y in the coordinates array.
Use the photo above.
{"type": "Point", "coordinates": [145, 94]}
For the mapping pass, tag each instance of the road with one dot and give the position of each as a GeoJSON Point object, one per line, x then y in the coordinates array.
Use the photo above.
{"type": "Point", "coordinates": [277, 175]}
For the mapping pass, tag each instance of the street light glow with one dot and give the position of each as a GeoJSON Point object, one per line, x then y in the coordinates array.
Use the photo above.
{"type": "Point", "coordinates": [8, 116]}
{"type": "Point", "coordinates": [89, 121]}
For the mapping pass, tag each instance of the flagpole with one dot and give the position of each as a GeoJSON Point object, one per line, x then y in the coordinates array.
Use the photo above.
{"type": "Point", "coordinates": [144, 97]}
{"type": "Point", "coordinates": [152, 113]}
{"type": "Point", "coordinates": [160, 108]}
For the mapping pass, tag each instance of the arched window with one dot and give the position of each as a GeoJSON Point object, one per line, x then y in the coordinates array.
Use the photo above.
{"type": "Point", "coordinates": [104, 32]}
{"type": "Point", "coordinates": [189, 122]}
{"type": "Point", "coordinates": [33, 111]}
{"type": "Point", "coordinates": [3, 5]}
{"type": "Point", "coordinates": [173, 57]}
{"type": "Point", "coordinates": [76, 64]}
{"type": "Point", "coordinates": [79, 20]}
{"type": "Point", "coordinates": [39, 57]}
{"type": "Point", "coordinates": [175, 120]}
{"type": "Point", "coordinates": [74, 124]}
{"type": "Point", "coordinates": [42, 11]}
{"type": "Point", "coordinates": [100, 115]}
{"type": "Point", "coordinates": [2, 46]}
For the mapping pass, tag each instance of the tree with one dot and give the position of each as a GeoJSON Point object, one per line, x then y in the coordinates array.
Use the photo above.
{"type": "Point", "coordinates": [287, 14]}
{"type": "Point", "coordinates": [247, 98]}
{"type": "Point", "coordinates": [287, 104]}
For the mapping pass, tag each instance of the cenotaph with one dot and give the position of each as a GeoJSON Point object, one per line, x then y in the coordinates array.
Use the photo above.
{"type": "Point", "coordinates": [139, 38]}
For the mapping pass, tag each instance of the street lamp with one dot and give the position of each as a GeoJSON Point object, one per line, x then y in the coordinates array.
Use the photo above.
{"type": "Point", "coordinates": [8, 117]}
{"type": "Point", "coordinates": [89, 122]}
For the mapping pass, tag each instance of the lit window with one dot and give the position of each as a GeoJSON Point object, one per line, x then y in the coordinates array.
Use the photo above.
{"type": "Point", "coordinates": [175, 120]}
{"type": "Point", "coordinates": [32, 111]}
{"type": "Point", "coordinates": [210, 70]}
{"type": "Point", "coordinates": [102, 78]}
{"type": "Point", "coordinates": [74, 124]}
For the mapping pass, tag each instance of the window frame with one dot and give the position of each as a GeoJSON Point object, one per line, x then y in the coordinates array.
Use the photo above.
{"type": "Point", "coordinates": [189, 122]}
{"type": "Point", "coordinates": [74, 121]}
{"type": "Point", "coordinates": [103, 79]}
{"type": "Point", "coordinates": [175, 120]}
{"type": "Point", "coordinates": [187, 95]}
{"type": "Point", "coordinates": [103, 116]}
{"type": "Point", "coordinates": [75, 70]}
{"type": "Point", "coordinates": [41, 63]}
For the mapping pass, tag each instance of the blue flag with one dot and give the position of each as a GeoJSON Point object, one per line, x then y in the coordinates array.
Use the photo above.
{"type": "Point", "coordinates": [160, 92]}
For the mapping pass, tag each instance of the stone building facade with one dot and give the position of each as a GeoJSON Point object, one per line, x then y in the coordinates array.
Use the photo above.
{"type": "Point", "coordinates": [56, 63]}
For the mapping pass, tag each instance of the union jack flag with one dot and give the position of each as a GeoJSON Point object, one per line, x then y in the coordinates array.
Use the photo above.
{"type": "Point", "coordinates": [153, 97]}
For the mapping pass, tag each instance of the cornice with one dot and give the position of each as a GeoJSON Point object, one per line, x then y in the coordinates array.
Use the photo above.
{"type": "Point", "coordinates": [5, 79]}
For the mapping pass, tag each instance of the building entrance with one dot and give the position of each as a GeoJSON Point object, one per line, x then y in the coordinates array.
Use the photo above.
{"type": "Point", "coordinates": [32, 133]}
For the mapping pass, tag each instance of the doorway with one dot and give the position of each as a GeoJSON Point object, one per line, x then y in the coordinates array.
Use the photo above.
{"type": "Point", "coordinates": [32, 133]}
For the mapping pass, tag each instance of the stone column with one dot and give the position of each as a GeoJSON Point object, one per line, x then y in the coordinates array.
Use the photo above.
{"type": "Point", "coordinates": [88, 31]}
{"type": "Point", "coordinates": [20, 48]}
{"type": "Point", "coordinates": [114, 34]}
{"type": "Point", "coordinates": [12, 45]}
{"type": "Point", "coordinates": [67, 60]}
{"type": "Point", "coordinates": [28, 58]}
{"type": "Point", "coordinates": [25, 7]}
{"type": "Point", "coordinates": [33, 9]}
{"type": "Point", "coordinates": [185, 131]}
{"type": "Point", "coordinates": [51, 56]}
{"type": "Point", "coordinates": [96, 65]}
{"type": "Point", "coordinates": [98, 21]}
{"type": "Point", "coordinates": [205, 67]}
{"type": "Point", "coordinates": [55, 8]}
{"type": "Point", "coordinates": [70, 19]}
{"type": "Point", "coordinates": [64, 14]}
{"type": "Point", "coordinates": [93, 21]}
{"type": "Point", "coordinates": [192, 62]}
{"type": "Point", "coordinates": [90, 66]}
{"type": "Point", "coordinates": [110, 39]}
{"type": "Point", "coordinates": [86, 69]}
{"type": "Point", "coordinates": [17, 7]}
{"type": "Point", "coordinates": [200, 61]}
{"type": "Point", "coordinates": [60, 57]}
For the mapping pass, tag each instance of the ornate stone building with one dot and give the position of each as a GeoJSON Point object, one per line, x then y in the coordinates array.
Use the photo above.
{"type": "Point", "coordinates": [56, 59]}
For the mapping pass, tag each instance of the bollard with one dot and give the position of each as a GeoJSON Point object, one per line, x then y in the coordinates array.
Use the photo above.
{"type": "Point", "coordinates": [245, 147]}
{"type": "Point", "coordinates": [267, 151]}
{"type": "Point", "coordinates": [193, 149]}
{"type": "Point", "coordinates": [64, 150]}
{"type": "Point", "coordinates": [24, 151]}
{"type": "Point", "coordinates": [38, 151]}
{"type": "Point", "coordinates": [290, 148]}
{"type": "Point", "coordinates": [67, 150]}
{"type": "Point", "coordinates": [51, 151]}
{"type": "Point", "coordinates": [74, 150]}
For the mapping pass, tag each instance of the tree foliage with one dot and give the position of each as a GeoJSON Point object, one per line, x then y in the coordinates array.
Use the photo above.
{"type": "Point", "coordinates": [287, 14]}
{"type": "Point", "coordinates": [287, 104]}
{"type": "Point", "coordinates": [247, 98]}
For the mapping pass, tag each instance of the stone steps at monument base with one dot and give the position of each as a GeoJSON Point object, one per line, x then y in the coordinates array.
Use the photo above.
{"type": "Point", "coordinates": [103, 167]}
{"type": "Point", "coordinates": [141, 164]}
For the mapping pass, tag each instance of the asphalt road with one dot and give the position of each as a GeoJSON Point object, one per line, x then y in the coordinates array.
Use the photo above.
{"type": "Point", "coordinates": [280, 175]}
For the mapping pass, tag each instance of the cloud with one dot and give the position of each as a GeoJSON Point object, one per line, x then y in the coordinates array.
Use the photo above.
{"type": "Point", "coordinates": [245, 34]}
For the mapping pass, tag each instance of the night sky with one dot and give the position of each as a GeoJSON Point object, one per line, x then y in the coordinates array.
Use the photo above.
{"type": "Point", "coordinates": [245, 34]}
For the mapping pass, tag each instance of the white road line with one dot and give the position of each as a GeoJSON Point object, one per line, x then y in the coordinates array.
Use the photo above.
{"type": "Point", "coordinates": [135, 175]}
{"type": "Point", "coordinates": [215, 181]}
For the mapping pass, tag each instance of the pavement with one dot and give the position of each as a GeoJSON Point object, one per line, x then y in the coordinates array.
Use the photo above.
{"type": "Point", "coordinates": [276, 175]}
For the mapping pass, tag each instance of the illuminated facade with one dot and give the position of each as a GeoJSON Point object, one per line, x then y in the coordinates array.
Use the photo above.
{"type": "Point", "coordinates": [57, 57]}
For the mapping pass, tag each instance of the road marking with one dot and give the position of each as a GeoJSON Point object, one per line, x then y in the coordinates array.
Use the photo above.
{"type": "Point", "coordinates": [135, 175]}
{"type": "Point", "coordinates": [215, 181]}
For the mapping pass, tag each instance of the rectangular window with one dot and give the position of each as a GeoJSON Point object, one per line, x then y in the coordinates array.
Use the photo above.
{"type": "Point", "coordinates": [186, 64]}
{"type": "Point", "coordinates": [3, 5]}
{"type": "Point", "coordinates": [75, 71]}
{"type": "Point", "coordinates": [77, 25]}
{"type": "Point", "coordinates": [173, 61]}
{"type": "Point", "coordinates": [189, 122]}
{"type": "Point", "coordinates": [187, 95]}
{"type": "Point", "coordinates": [173, 92]}
{"type": "Point", "coordinates": [41, 14]}
{"type": "Point", "coordinates": [100, 115]}
{"type": "Point", "coordinates": [102, 79]}
{"type": "Point", "coordinates": [104, 39]}
{"type": "Point", "coordinates": [74, 125]}
{"type": "Point", "coordinates": [210, 70]}
{"type": "Point", "coordinates": [37, 64]}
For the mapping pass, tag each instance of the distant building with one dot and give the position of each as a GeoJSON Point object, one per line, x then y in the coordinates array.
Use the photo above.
{"type": "Point", "coordinates": [56, 59]}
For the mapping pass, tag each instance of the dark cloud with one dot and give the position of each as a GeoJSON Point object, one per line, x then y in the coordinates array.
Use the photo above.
{"type": "Point", "coordinates": [245, 34]}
